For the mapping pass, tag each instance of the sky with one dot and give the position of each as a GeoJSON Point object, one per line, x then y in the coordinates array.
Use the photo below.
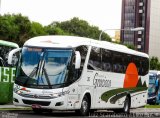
{"type": "Point", "coordinates": [105, 14]}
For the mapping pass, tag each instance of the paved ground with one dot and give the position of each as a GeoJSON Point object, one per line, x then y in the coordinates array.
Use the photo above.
{"type": "Point", "coordinates": [147, 110]}
{"type": "Point", "coordinates": [137, 110]}
{"type": "Point", "coordinates": [135, 113]}
{"type": "Point", "coordinates": [30, 114]}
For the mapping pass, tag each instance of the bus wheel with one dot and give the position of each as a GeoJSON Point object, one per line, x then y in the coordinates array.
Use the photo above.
{"type": "Point", "coordinates": [84, 110]}
{"type": "Point", "coordinates": [126, 108]}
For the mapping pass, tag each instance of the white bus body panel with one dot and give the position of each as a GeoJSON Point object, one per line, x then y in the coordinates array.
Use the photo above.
{"type": "Point", "coordinates": [87, 83]}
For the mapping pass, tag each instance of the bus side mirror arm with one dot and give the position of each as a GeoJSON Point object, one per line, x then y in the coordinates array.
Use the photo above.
{"type": "Point", "coordinates": [11, 53]}
{"type": "Point", "coordinates": [77, 60]}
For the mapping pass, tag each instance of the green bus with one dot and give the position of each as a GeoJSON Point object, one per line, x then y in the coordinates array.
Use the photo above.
{"type": "Point", "coordinates": [7, 72]}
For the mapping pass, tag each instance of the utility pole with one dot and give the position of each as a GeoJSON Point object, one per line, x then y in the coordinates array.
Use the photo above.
{"type": "Point", "coordinates": [131, 29]}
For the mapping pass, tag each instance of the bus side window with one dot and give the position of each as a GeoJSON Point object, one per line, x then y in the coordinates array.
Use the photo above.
{"type": "Point", "coordinates": [94, 59]}
{"type": "Point", "coordinates": [83, 52]}
{"type": "Point", "coordinates": [117, 62]}
{"type": "Point", "coordinates": [106, 60]}
{"type": "Point", "coordinates": [144, 66]}
{"type": "Point", "coordinates": [137, 61]}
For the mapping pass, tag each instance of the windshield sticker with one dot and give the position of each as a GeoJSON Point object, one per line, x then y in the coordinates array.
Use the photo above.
{"type": "Point", "coordinates": [35, 49]}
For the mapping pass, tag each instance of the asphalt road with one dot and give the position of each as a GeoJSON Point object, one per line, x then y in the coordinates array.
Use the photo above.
{"type": "Point", "coordinates": [135, 113]}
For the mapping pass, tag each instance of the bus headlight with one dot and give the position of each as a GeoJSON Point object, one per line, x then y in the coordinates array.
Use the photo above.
{"type": "Point", "coordinates": [18, 92]}
{"type": "Point", "coordinates": [60, 94]}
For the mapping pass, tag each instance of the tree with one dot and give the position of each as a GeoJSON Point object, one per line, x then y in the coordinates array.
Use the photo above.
{"type": "Point", "coordinates": [14, 28]}
{"type": "Point", "coordinates": [130, 46]}
{"type": "Point", "coordinates": [8, 30]}
{"type": "Point", "coordinates": [53, 29]}
{"type": "Point", "coordinates": [24, 27]}
{"type": "Point", "coordinates": [37, 30]}
{"type": "Point", "coordinates": [76, 27]}
{"type": "Point", "coordinates": [154, 63]}
{"type": "Point", "coordinates": [18, 28]}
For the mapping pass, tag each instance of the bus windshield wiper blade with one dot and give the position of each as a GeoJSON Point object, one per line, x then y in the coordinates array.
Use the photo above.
{"type": "Point", "coordinates": [46, 75]}
{"type": "Point", "coordinates": [35, 70]}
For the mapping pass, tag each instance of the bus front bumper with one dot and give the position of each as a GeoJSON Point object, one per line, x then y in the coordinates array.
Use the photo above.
{"type": "Point", "coordinates": [151, 100]}
{"type": "Point", "coordinates": [59, 103]}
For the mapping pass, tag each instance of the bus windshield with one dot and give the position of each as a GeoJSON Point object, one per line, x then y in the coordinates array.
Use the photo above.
{"type": "Point", "coordinates": [152, 79]}
{"type": "Point", "coordinates": [40, 67]}
{"type": "Point", "coordinates": [152, 86]}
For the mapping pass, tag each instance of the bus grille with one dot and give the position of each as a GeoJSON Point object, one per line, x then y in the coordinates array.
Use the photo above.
{"type": "Point", "coordinates": [30, 102]}
{"type": "Point", "coordinates": [37, 96]}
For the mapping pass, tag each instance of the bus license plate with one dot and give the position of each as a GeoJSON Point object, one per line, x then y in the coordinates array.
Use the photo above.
{"type": "Point", "coordinates": [37, 106]}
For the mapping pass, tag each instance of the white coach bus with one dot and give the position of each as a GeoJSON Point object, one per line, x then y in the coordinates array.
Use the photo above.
{"type": "Point", "coordinates": [81, 74]}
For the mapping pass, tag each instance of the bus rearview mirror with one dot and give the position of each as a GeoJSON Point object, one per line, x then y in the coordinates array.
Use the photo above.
{"type": "Point", "coordinates": [77, 60]}
{"type": "Point", "coordinates": [12, 59]}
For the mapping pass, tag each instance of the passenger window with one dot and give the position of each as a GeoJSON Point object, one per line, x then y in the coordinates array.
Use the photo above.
{"type": "Point", "coordinates": [106, 60]}
{"type": "Point", "coordinates": [117, 62]}
{"type": "Point", "coordinates": [95, 59]}
{"type": "Point", "coordinates": [83, 52]}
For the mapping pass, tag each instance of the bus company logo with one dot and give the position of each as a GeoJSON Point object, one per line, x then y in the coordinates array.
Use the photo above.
{"type": "Point", "coordinates": [36, 96]}
{"type": "Point", "coordinates": [46, 92]}
{"type": "Point", "coordinates": [98, 81]}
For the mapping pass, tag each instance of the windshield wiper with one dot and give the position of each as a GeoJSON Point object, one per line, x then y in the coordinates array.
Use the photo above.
{"type": "Point", "coordinates": [47, 78]}
{"type": "Point", "coordinates": [33, 72]}
{"type": "Point", "coordinates": [36, 69]}
{"type": "Point", "coordinates": [46, 75]}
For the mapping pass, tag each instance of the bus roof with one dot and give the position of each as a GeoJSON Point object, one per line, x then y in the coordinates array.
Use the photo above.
{"type": "Point", "coordinates": [74, 41]}
{"type": "Point", "coordinates": [157, 72]}
{"type": "Point", "coordinates": [8, 43]}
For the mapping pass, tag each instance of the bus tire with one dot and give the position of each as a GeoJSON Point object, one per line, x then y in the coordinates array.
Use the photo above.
{"type": "Point", "coordinates": [85, 107]}
{"type": "Point", "coordinates": [127, 105]}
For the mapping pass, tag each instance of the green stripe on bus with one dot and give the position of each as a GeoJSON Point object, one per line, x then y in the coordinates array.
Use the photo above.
{"type": "Point", "coordinates": [7, 43]}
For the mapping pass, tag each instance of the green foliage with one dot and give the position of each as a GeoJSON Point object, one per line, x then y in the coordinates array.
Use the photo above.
{"type": "Point", "coordinates": [37, 30]}
{"type": "Point", "coordinates": [53, 29]}
{"type": "Point", "coordinates": [18, 29]}
{"type": "Point", "coordinates": [8, 29]}
{"type": "Point", "coordinates": [130, 46]}
{"type": "Point", "coordinates": [76, 27]}
{"type": "Point", "coordinates": [154, 63]}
